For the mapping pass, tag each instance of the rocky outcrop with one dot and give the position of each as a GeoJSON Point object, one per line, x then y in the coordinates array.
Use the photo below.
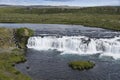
{"type": "Point", "coordinates": [6, 38]}
{"type": "Point", "coordinates": [12, 38]}
{"type": "Point", "coordinates": [21, 36]}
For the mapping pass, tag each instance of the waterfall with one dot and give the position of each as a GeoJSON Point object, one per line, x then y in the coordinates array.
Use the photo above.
{"type": "Point", "coordinates": [77, 45]}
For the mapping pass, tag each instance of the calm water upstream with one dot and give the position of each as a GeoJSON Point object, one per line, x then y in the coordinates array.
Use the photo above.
{"type": "Point", "coordinates": [47, 56]}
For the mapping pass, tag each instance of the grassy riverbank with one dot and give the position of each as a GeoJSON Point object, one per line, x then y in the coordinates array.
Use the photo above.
{"type": "Point", "coordinates": [12, 52]}
{"type": "Point", "coordinates": [7, 63]}
{"type": "Point", "coordinates": [105, 17]}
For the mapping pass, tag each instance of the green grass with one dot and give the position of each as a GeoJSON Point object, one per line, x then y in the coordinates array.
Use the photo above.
{"type": "Point", "coordinates": [81, 65]}
{"type": "Point", "coordinates": [7, 63]}
{"type": "Point", "coordinates": [104, 17]}
{"type": "Point", "coordinates": [24, 32]}
{"type": "Point", "coordinates": [10, 55]}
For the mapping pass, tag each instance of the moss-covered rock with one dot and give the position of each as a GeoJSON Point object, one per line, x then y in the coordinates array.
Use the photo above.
{"type": "Point", "coordinates": [81, 65]}
{"type": "Point", "coordinates": [22, 35]}
{"type": "Point", "coordinates": [24, 32]}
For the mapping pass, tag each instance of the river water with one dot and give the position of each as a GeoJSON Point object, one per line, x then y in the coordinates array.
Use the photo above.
{"type": "Point", "coordinates": [54, 45]}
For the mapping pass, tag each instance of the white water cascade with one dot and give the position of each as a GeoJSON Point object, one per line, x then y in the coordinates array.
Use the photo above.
{"type": "Point", "coordinates": [77, 45]}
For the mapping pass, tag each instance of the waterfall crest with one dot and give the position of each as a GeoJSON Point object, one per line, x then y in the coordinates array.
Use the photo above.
{"type": "Point", "coordinates": [77, 45]}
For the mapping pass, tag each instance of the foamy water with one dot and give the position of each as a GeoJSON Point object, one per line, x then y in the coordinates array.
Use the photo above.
{"type": "Point", "coordinates": [77, 45]}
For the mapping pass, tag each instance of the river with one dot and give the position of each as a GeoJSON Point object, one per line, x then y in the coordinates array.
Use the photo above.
{"type": "Point", "coordinates": [54, 45]}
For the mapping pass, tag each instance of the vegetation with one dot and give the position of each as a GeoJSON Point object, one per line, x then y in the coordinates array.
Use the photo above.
{"type": "Point", "coordinates": [22, 35]}
{"type": "Point", "coordinates": [81, 65]}
{"type": "Point", "coordinates": [6, 38]}
{"type": "Point", "coordinates": [105, 17]}
{"type": "Point", "coordinates": [7, 62]}
{"type": "Point", "coordinates": [10, 54]}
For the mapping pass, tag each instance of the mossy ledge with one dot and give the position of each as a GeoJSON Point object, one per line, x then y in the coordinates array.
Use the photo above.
{"type": "Point", "coordinates": [81, 65]}
{"type": "Point", "coordinates": [22, 35]}
{"type": "Point", "coordinates": [12, 51]}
